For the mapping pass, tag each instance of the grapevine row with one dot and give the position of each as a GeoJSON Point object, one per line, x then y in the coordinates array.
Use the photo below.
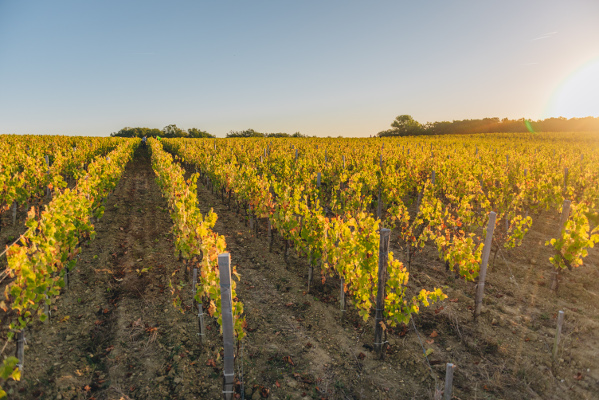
{"type": "Point", "coordinates": [438, 190]}
{"type": "Point", "coordinates": [195, 240]}
{"type": "Point", "coordinates": [29, 164]}
{"type": "Point", "coordinates": [345, 245]}
{"type": "Point", "coordinates": [39, 264]}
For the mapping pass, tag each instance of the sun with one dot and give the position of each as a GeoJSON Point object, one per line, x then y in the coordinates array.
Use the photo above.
{"type": "Point", "coordinates": [578, 95]}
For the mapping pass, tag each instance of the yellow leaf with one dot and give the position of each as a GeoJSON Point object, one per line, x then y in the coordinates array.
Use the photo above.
{"type": "Point", "coordinates": [16, 374]}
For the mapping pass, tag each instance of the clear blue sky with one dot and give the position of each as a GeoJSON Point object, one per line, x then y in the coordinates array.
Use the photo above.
{"type": "Point", "coordinates": [318, 67]}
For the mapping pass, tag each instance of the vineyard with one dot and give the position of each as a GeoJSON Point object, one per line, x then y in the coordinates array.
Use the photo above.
{"type": "Point", "coordinates": [430, 267]}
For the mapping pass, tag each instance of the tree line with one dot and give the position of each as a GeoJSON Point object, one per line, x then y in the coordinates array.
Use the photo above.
{"type": "Point", "coordinates": [169, 131]}
{"type": "Point", "coordinates": [252, 133]}
{"type": "Point", "coordinates": [172, 131]}
{"type": "Point", "coordinates": [402, 125]}
{"type": "Point", "coordinates": [405, 125]}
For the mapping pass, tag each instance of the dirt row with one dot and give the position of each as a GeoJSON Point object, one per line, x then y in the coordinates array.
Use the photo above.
{"type": "Point", "coordinates": [116, 334]}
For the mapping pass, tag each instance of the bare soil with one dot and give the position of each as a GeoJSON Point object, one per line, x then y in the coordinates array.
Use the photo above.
{"type": "Point", "coordinates": [115, 334]}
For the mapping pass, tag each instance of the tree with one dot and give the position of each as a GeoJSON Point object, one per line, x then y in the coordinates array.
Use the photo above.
{"type": "Point", "coordinates": [137, 132]}
{"type": "Point", "coordinates": [197, 133]}
{"type": "Point", "coordinates": [406, 125]}
{"type": "Point", "coordinates": [245, 134]}
{"type": "Point", "coordinates": [172, 131]}
{"type": "Point", "coordinates": [403, 125]}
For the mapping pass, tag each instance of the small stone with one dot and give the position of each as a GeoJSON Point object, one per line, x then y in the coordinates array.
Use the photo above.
{"type": "Point", "coordinates": [448, 349]}
{"type": "Point", "coordinates": [177, 358]}
{"type": "Point", "coordinates": [178, 380]}
{"type": "Point", "coordinates": [256, 395]}
{"type": "Point", "coordinates": [160, 379]}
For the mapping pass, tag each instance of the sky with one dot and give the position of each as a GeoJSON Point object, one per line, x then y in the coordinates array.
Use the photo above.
{"type": "Point", "coordinates": [322, 68]}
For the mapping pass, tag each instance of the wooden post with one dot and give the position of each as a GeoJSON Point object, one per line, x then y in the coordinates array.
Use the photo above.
{"type": "Point", "coordinates": [318, 177]}
{"type": "Point", "coordinates": [385, 234]}
{"type": "Point", "coordinates": [447, 393]}
{"type": "Point", "coordinates": [66, 278]}
{"type": "Point", "coordinates": [224, 269]}
{"type": "Point", "coordinates": [194, 289]}
{"type": "Point", "coordinates": [310, 271]}
{"type": "Point", "coordinates": [48, 172]}
{"type": "Point", "coordinates": [251, 220]}
{"type": "Point", "coordinates": [379, 211]}
{"type": "Point", "coordinates": [418, 201]}
{"type": "Point", "coordinates": [344, 162]}
{"type": "Point", "coordinates": [194, 279]}
{"type": "Point", "coordinates": [269, 234]}
{"type": "Point", "coordinates": [46, 309]}
{"type": "Point", "coordinates": [480, 288]}
{"type": "Point", "coordinates": [342, 296]}
{"type": "Point", "coordinates": [558, 332]}
{"type": "Point", "coordinates": [14, 213]}
{"type": "Point", "coordinates": [565, 179]}
{"type": "Point", "coordinates": [21, 350]}
{"type": "Point", "coordinates": [380, 200]}
{"type": "Point", "coordinates": [433, 178]}
{"type": "Point", "coordinates": [296, 153]}
{"type": "Point", "coordinates": [562, 225]}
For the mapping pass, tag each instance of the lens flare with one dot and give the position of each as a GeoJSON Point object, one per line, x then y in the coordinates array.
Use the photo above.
{"type": "Point", "coordinates": [529, 126]}
{"type": "Point", "coordinates": [578, 95]}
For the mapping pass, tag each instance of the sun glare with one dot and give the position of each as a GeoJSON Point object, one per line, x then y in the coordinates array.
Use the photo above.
{"type": "Point", "coordinates": [578, 95]}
